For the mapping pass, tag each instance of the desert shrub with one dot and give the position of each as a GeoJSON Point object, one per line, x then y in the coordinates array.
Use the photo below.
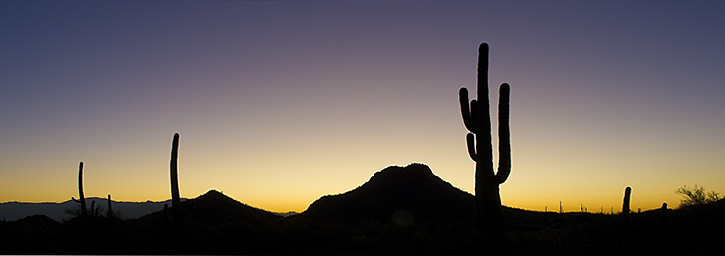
{"type": "Point", "coordinates": [696, 196]}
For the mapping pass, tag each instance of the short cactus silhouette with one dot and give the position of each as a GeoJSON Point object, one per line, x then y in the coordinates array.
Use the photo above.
{"type": "Point", "coordinates": [82, 197]}
{"type": "Point", "coordinates": [625, 206]}
{"type": "Point", "coordinates": [480, 148]}
{"type": "Point", "coordinates": [625, 219]}
{"type": "Point", "coordinates": [110, 213]}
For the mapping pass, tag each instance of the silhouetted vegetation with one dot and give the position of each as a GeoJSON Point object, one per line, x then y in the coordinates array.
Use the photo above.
{"type": "Point", "coordinates": [175, 197]}
{"type": "Point", "coordinates": [696, 196]}
{"type": "Point", "coordinates": [81, 196]}
{"type": "Point", "coordinates": [477, 120]}
{"type": "Point", "coordinates": [625, 218]}
{"type": "Point", "coordinates": [110, 213]}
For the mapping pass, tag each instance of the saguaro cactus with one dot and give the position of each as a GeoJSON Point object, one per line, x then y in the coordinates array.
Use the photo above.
{"type": "Point", "coordinates": [82, 199]}
{"type": "Point", "coordinates": [625, 206]}
{"type": "Point", "coordinates": [175, 198]}
{"type": "Point", "coordinates": [625, 219]}
{"type": "Point", "coordinates": [109, 213]}
{"type": "Point", "coordinates": [477, 120]}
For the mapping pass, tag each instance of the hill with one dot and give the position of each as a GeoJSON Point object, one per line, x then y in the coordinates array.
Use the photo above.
{"type": "Point", "coordinates": [215, 207]}
{"type": "Point", "coordinates": [401, 195]}
{"type": "Point", "coordinates": [11, 211]}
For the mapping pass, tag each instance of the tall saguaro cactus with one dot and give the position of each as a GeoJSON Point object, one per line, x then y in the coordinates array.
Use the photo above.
{"type": "Point", "coordinates": [175, 198]}
{"type": "Point", "coordinates": [82, 198]}
{"type": "Point", "coordinates": [477, 120]}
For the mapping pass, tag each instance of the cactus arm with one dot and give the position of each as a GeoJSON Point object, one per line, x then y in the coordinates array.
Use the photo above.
{"type": "Point", "coordinates": [465, 112]}
{"type": "Point", "coordinates": [470, 141]}
{"type": "Point", "coordinates": [474, 115]}
{"type": "Point", "coordinates": [504, 134]}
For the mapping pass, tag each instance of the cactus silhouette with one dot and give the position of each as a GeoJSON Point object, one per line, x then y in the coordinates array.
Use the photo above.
{"type": "Point", "coordinates": [110, 213]}
{"type": "Point", "coordinates": [477, 120]}
{"type": "Point", "coordinates": [625, 206]}
{"type": "Point", "coordinates": [625, 219]}
{"type": "Point", "coordinates": [175, 198]}
{"type": "Point", "coordinates": [82, 199]}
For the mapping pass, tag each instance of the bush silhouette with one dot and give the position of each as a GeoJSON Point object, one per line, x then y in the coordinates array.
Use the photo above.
{"type": "Point", "coordinates": [696, 196]}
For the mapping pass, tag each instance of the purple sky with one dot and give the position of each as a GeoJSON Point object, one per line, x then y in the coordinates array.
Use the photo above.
{"type": "Point", "coordinates": [281, 102]}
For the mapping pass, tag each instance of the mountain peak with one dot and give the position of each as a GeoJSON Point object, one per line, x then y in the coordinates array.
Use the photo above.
{"type": "Point", "coordinates": [213, 206]}
{"type": "Point", "coordinates": [413, 191]}
{"type": "Point", "coordinates": [415, 171]}
{"type": "Point", "coordinates": [214, 194]}
{"type": "Point", "coordinates": [415, 174]}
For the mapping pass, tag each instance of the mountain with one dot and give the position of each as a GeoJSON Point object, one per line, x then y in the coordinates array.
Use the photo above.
{"type": "Point", "coordinates": [401, 195]}
{"type": "Point", "coordinates": [12, 211]}
{"type": "Point", "coordinates": [215, 207]}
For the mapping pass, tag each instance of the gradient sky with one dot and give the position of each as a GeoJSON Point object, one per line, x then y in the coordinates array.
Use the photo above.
{"type": "Point", "coordinates": [281, 102]}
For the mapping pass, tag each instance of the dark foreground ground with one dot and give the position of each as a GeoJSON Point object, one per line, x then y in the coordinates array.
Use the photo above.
{"type": "Point", "coordinates": [694, 230]}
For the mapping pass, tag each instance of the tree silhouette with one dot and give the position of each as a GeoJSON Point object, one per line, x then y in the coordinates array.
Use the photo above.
{"type": "Point", "coordinates": [477, 120]}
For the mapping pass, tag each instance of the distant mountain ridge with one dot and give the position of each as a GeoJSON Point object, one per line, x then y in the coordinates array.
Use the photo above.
{"type": "Point", "coordinates": [11, 211]}
{"type": "Point", "coordinates": [402, 195]}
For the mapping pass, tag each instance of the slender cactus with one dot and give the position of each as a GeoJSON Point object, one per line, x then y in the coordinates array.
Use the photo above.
{"type": "Point", "coordinates": [625, 206]}
{"type": "Point", "coordinates": [625, 219]}
{"type": "Point", "coordinates": [175, 198]}
{"type": "Point", "coordinates": [110, 213]}
{"type": "Point", "coordinates": [561, 207]}
{"type": "Point", "coordinates": [82, 199]}
{"type": "Point", "coordinates": [477, 119]}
